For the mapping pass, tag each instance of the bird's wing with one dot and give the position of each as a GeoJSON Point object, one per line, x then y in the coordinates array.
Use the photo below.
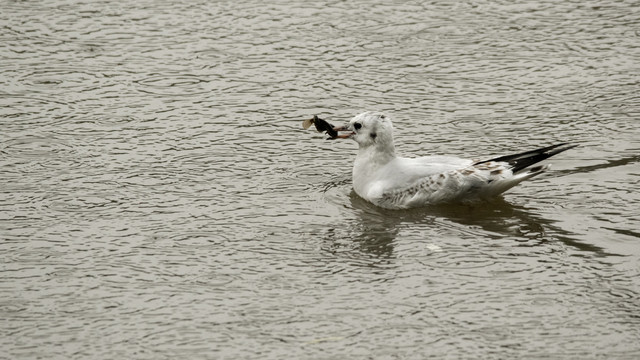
{"type": "Point", "coordinates": [438, 179]}
{"type": "Point", "coordinates": [421, 179]}
{"type": "Point", "coordinates": [469, 183]}
{"type": "Point", "coordinates": [448, 186]}
{"type": "Point", "coordinates": [405, 172]}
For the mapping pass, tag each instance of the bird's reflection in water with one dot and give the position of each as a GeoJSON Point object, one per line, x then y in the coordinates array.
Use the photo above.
{"type": "Point", "coordinates": [375, 228]}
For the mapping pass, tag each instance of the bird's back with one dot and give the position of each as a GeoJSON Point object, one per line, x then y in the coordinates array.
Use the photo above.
{"type": "Point", "coordinates": [372, 181]}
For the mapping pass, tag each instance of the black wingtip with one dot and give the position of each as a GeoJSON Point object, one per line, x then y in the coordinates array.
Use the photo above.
{"type": "Point", "coordinates": [523, 160]}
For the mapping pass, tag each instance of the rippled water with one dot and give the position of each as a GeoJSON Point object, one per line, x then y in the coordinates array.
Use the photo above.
{"type": "Point", "coordinates": [159, 199]}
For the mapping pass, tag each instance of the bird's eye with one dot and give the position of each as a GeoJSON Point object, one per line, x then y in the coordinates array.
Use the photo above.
{"type": "Point", "coordinates": [357, 126]}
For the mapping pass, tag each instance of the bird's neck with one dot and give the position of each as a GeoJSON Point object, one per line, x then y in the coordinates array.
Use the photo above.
{"type": "Point", "coordinates": [378, 154]}
{"type": "Point", "coordinates": [373, 157]}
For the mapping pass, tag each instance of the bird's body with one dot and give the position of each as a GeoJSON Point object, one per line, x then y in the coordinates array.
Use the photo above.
{"type": "Point", "coordinates": [393, 182]}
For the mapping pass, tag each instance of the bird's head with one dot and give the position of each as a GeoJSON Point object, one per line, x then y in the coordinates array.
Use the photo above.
{"type": "Point", "coordinates": [370, 129]}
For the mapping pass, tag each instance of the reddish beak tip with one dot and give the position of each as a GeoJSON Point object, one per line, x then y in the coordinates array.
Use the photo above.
{"type": "Point", "coordinates": [344, 136]}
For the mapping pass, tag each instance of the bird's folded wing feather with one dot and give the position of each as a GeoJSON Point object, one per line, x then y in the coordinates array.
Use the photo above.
{"type": "Point", "coordinates": [466, 183]}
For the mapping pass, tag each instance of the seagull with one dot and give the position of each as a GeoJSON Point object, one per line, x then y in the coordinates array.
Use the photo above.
{"type": "Point", "coordinates": [393, 182]}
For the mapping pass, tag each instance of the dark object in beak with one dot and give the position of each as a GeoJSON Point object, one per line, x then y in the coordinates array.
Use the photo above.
{"type": "Point", "coordinates": [321, 125]}
{"type": "Point", "coordinates": [332, 131]}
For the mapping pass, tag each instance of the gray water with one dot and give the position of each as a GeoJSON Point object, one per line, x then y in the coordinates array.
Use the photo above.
{"type": "Point", "coordinates": [159, 198]}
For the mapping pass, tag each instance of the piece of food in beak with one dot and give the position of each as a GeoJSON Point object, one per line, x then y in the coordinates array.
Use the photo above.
{"type": "Point", "coordinates": [321, 125]}
{"type": "Point", "coordinates": [335, 130]}
{"type": "Point", "coordinates": [307, 123]}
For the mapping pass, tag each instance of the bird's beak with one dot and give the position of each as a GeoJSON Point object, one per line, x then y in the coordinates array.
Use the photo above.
{"type": "Point", "coordinates": [343, 128]}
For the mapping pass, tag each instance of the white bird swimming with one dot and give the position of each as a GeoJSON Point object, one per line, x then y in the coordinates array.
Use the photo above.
{"type": "Point", "coordinates": [393, 182]}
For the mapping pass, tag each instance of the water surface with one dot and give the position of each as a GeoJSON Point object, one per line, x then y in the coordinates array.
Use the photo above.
{"type": "Point", "coordinates": [159, 198]}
